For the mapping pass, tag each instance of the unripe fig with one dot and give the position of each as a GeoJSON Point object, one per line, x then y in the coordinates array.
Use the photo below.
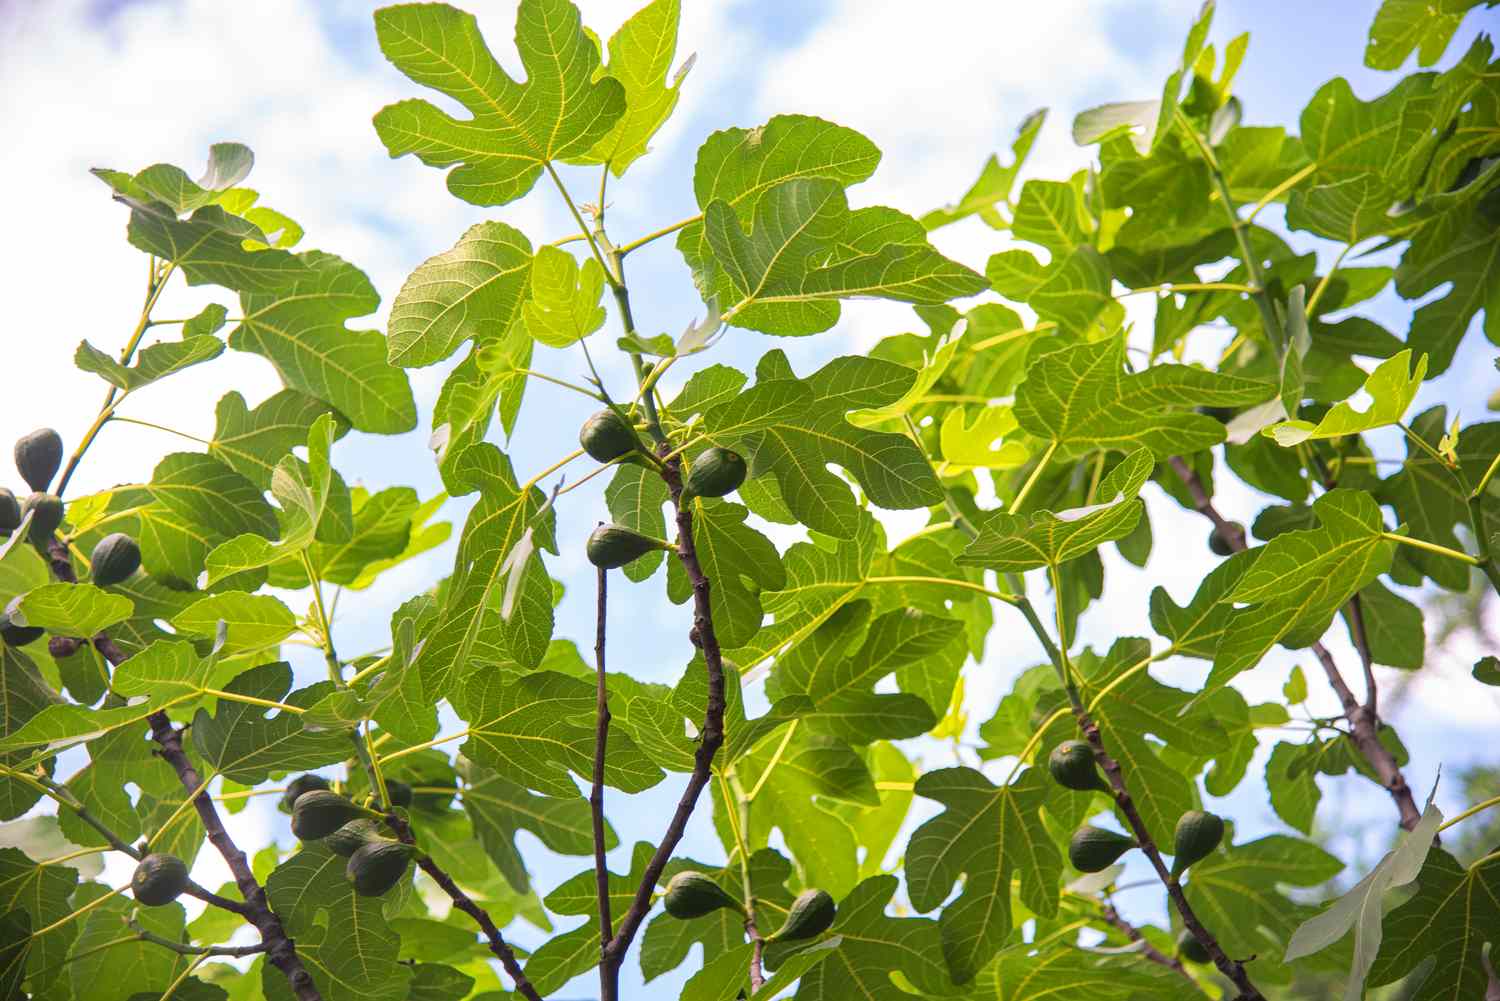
{"type": "Point", "coordinates": [1093, 849]}
{"type": "Point", "coordinates": [46, 515]}
{"type": "Point", "coordinates": [15, 635]}
{"type": "Point", "coordinates": [398, 792]}
{"type": "Point", "coordinates": [1198, 834]}
{"type": "Point", "coordinates": [159, 879]}
{"type": "Point", "coordinates": [612, 546]}
{"type": "Point", "coordinates": [114, 559]}
{"type": "Point", "coordinates": [811, 915]}
{"type": "Point", "coordinates": [10, 512]}
{"type": "Point", "coordinates": [1190, 949]}
{"type": "Point", "coordinates": [38, 455]}
{"type": "Point", "coordinates": [298, 786]}
{"type": "Point", "coordinates": [377, 866]}
{"type": "Point", "coordinates": [1073, 767]}
{"type": "Point", "coordinates": [1220, 543]}
{"type": "Point", "coordinates": [692, 894]}
{"type": "Point", "coordinates": [353, 836]}
{"type": "Point", "coordinates": [319, 813]}
{"type": "Point", "coordinates": [605, 436]}
{"type": "Point", "coordinates": [715, 473]}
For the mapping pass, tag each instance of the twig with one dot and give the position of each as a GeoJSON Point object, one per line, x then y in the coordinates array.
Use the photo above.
{"type": "Point", "coordinates": [463, 902]}
{"type": "Point", "coordinates": [1148, 950]}
{"type": "Point", "coordinates": [1356, 612]}
{"type": "Point", "coordinates": [188, 949]}
{"type": "Point", "coordinates": [1231, 968]}
{"type": "Point", "coordinates": [710, 738]}
{"type": "Point", "coordinates": [1363, 722]}
{"type": "Point", "coordinates": [278, 946]}
{"type": "Point", "coordinates": [608, 987]}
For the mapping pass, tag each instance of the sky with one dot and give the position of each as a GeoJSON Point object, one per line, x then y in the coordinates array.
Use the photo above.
{"type": "Point", "coordinates": [937, 86]}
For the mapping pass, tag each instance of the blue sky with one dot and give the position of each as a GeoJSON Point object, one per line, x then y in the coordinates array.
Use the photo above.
{"type": "Point", "coordinates": [938, 85]}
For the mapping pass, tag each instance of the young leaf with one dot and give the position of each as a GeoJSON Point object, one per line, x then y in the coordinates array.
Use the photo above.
{"type": "Point", "coordinates": [640, 57]}
{"type": "Point", "coordinates": [1362, 908]}
{"type": "Point", "coordinates": [1009, 543]}
{"type": "Point", "coordinates": [1081, 397]}
{"type": "Point", "coordinates": [564, 304]}
{"type": "Point", "coordinates": [1300, 579]}
{"type": "Point", "coordinates": [1392, 387]}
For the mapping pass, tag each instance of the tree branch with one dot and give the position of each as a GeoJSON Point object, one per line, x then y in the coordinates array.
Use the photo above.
{"type": "Point", "coordinates": [463, 902]}
{"type": "Point", "coordinates": [1364, 724]}
{"type": "Point", "coordinates": [1133, 933]}
{"type": "Point", "coordinates": [608, 986]}
{"type": "Point", "coordinates": [1231, 968]}
{"type": "Point", "coordinates": [710, 738]}
{"type": "Point", "coordinates": [279, 948]}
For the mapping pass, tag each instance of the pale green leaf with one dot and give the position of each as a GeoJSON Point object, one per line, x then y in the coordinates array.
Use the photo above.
{"type": "Point", "coordinates": [562, 111]}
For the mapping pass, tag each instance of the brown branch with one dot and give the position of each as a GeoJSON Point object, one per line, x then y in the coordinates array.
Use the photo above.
{"type": "Point", "coordinates": [463, 902]}
{"type": "Point", "coordinates": [1355, 610]}
{"type": "Point", "coordinates": [1364, 724]}
{"type": "Point", "coordinates": [279, 948]}
{"type": "Point", "coordinates": [1149, 951]}
{"type": "Point", "coordinates": [711, 737]}
{"type": "Point", "coordinates": [609, 987]}
{"type": "Point", "coordinates": [1232, 968]}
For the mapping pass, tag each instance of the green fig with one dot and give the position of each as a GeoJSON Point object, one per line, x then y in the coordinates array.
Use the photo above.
{"type": "Point", "coordinates": [1198, 834]}
{"type": "Point", "coordinates": [1093, 849]}
{"type": "Point", "coordinates": [1073, 766]}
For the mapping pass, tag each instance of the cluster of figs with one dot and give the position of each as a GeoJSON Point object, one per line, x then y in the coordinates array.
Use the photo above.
{"type": "Point", "coordinates": [609, 437]}
{"type": "Point", "coordinates": [376, 863]}
{"type": "Point", "coordinates": [1094, 849]}
{"type": "Point", "coordinates": [115, 557]}
{"type": "Point", "coordinates": [692, 894]}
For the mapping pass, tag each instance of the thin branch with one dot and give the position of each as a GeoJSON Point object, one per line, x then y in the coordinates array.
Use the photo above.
{"type": "Point", "coordinates": [463, 902]}
{"type": "Point", "coordinates": [1364, 723]}
{"type": "Point", "coordinates": [1233, 969]}
{"type": "Point", "coordinates": [279, 948]}
{"type": "Point", "coordinates": [711, 738]}
{"type": "Point", "coordinates": [255, 909]}
{"type": "Point", "coordinates": [1356, 612]}
{"type": "Point", "coordinates": [188, 949]}
{"type": "Point", "coordinates": [609, 987]}
{"type": "Point", "coordinates": [1132, 933]}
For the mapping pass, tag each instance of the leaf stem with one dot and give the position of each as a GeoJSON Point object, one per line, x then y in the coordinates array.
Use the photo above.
{"type": "Point", "coordinates": [1312, 302]}
{"type": "Point", "coordinates": [1267, 309]}
{"type": "Point", "coordinates": [657, 235]}
{"type": "Point", "coordinates": [1281, 189]}
{"type": "Point", "coordinates": [765, 774]}
{"type": "Point", "coordinates": [415, 748]}
{"type": "Point", "coordinates": [533, 373]}
{"type": "Point", "coordinates": [1036, 738]}
{"type": "Point", "coordinates": [154, 286]}
{"type": "Point", "coordinates": [1432, 547]}
{"type": "Point", "coordinates": [1031, 481]}
{"type": "Point", "coordinates": [966, 585]}
{"type": "Point", "coordinates": [588, 234]}
{"type": "Point", "coordinates": [161, 427]}
{"type": "Point", "coordinates": [1170, 287]}
{"type": "Point", "coordinates": [1471, 811]}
